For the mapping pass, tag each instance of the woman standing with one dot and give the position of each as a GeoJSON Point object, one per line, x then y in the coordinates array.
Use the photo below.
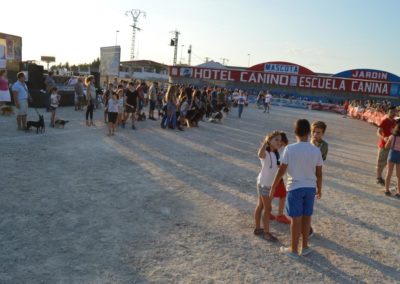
{"type": "Point", "coordinates": [4, 88]}
{"type": "Point", "coordinates": [241, 100]}
{"type": "Point", "coordinates": [91, 98]}
{"type": "Point", "coordinates": [171, 106]}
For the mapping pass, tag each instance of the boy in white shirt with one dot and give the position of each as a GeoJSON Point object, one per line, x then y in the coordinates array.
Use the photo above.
{"type": "Point", "coordinates": [303, 161]}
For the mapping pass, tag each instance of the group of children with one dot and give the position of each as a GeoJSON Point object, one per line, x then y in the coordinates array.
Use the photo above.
{"type": "Point", "coordinates": [303, 162]}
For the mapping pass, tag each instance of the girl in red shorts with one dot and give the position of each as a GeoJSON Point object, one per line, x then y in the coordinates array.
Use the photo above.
{"type": "Point", "coordinates": [280, 191]}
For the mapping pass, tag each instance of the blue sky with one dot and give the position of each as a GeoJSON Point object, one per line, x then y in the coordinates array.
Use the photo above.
{"type": "Point", "coordinates": [324, 36]}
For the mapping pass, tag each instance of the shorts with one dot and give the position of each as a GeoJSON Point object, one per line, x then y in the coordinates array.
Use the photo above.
{"type": "Point", "coordinates": [300, 202]}
{"type": "Point", "coordinates": [121, 110]}
{"type": "Point", "coordinates": [23, 107]}
{"type": "Point", "coordinates": [382, 157]}
{"type": "Point", "coordinates": [280, 191]}
{"type": "Point", "coordinates": [52, 108]}
{"type": "Point", "coordinates": [129, 109]}
{"type": "Point", "coordinates": [263, 190]}
{"type": "Point", "coordinates": [152, 105]}
{"type": "Point", "coordinates": [394, 156]}
{"type": "Point", "coordinates": [112, 117]}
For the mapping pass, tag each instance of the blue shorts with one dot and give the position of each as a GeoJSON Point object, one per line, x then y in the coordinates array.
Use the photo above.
{"type": "Point", "coordinates": [394, 156]}
{"type": "Point", "coordinates": [300, 202]}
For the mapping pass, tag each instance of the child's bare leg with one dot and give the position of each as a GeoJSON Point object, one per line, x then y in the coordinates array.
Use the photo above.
{"type": "Point", "coordinates": [267, 211]}
{"type": "Point", "coordinates": [257, 213]}
{"type": "Point", "coordinates": [389, 175]}
{"type": "Point", "coordinates": [295, 231]}
{"type": "Point", "coordinates": [281, 205]}
{"type": "Point", "coordinates": [398, 177]}
{"type": "Point", "coordinates": [305, 229]}
{"type": "Point", "coordinates": [53, 115]}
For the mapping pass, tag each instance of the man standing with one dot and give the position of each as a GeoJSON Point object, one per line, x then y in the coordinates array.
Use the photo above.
{"type": "Point", "coordinates": [384, 131]}
{"type": "Point", "coordinates": [152, 100]}
{"type": "Point", "coordinates": [21, 95]}
{"type": "Point", "coordinates": [268, 98]}
{"type": "Point", "coordinates": [50, 84]}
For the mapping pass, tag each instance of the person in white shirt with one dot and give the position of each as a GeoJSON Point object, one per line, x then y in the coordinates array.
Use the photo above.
{"type": "Point", "coordinates": [269, 167]}
{"type": "Point", "coordinates": [54, 103]}
{"type": "Point", "coordinates": [113, 110]}
{"type": "Point", "coordinates": [267, 102]}
{"type": "Point", "coordinates": [303, 162]}
{"type": "Point", "coordinates": [241, 100]}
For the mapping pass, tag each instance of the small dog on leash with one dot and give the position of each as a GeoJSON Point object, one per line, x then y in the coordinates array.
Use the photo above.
{"type": "Point", "coordinates": [216, 117]}
{"type": "Point", "coordinates": [60, 123]}
{"type": "Point", "coordinates": [38, 124]}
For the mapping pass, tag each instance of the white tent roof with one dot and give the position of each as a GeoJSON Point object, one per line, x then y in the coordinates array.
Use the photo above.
{"type": "Point", "coordinates": [212, 65]}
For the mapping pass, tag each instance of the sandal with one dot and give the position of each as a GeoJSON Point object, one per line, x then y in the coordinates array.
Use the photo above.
{"type": "Point", "coordinates": [269, 237]}
{"type": "Point", "coordinates": [397, 195]}
{"type": "Point", "coordinates": [387, 193]}
{"type": "Point", "coordinates": [258, 232]}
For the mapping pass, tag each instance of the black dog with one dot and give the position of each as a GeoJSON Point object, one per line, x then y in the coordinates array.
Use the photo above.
{"type": "Point", "coordinates": [38, 124]}
{"type": "Point", "coordinates": [60, 123]}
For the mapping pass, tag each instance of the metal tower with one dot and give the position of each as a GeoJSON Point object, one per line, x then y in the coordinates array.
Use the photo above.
{"type": "Point", "coordinates": [190, 55]}
{"type": "Point", "coordinates": [174, 43]}
{"type": "Point", "coordinates": [135, 13]}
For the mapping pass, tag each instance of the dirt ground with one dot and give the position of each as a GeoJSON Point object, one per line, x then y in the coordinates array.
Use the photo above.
{"type": "Point", "coordinates": [162, 206]}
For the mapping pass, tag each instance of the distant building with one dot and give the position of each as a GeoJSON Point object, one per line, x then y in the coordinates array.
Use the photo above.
{"type": "Point", "coordinates": [146, 70]}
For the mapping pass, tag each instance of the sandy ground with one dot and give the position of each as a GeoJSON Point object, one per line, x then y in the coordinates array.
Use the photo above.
{"type": "Point", "coordinates": [161, 206]}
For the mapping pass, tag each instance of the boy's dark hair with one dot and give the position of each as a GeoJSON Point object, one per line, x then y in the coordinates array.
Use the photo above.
{"type": "Point", "coordinates": [54, 89]}
{"type": "Point", "coordinates": [20, 75]}
{"type": "Point", "coordinates": [320, 125]}
{"type": "Point", "coordinates": [302, 128]}
{"type": "Point", "coordinates": [284, 138]}
{"type": "Point", "coordinates": [392, 108]}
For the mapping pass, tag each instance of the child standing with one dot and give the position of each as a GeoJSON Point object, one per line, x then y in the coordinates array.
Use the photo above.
{"type": "Point", "coordinates": [113, 110]}
{"type": "Point", "coordinates": [303, 162]}
{"type": "Point", "coordinates": [269, 167]}
{"type": "Point", "coordinates": [281, 189]}
{"type": "Point", "coordinates": [318, 129]}
{"type": "Point", "coordinates": [54, 103]}
{"type": "Point", "coordinates": [393, 144]}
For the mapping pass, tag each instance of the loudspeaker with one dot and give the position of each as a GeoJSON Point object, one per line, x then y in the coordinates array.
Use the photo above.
{"type": "Point", "coordinates": [96, 78]}
{"type": "Point", "coordinates": [35, 77]}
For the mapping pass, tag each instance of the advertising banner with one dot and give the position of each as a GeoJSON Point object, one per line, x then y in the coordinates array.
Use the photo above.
{"type": "Point", "coordinates": [372, 82]}
{"type": "Point", "coordinates": [110, 60]}
{"type": "Point", "coordinates": [10, 51]}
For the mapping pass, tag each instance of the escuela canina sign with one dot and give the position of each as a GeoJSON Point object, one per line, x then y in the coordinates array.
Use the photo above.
{"type": "Point", "coordinates": [365, 81]}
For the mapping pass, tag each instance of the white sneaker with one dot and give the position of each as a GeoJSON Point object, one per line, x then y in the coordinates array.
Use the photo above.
{"type": "Point", "coordinates": [306, 251]}
{"type": "Point", "coordinates": [289, 253]}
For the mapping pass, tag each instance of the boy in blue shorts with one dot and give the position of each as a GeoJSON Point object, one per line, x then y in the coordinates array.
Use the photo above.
{"type": "Point", "coordinates": [303, 162]}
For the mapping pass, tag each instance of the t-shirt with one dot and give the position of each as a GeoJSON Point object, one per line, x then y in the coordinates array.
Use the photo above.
{"type": "Point", "coordinates": [79, 89]}
{"type": "Point", "coordinates": [269, 167]}
{"type": "Point", "coordinates": [152, 93]}
{"type": "Point", "coordinates": [50, 83]}
{"type": "Point", "coordinates": [113, 105]}
{"type": "Point", "coordinates": [241, 99]}
{"type": "Point", "coordinates": [21, 89]}
{"type": "Point", "coordinates": [54, 100]}
{"type": "Point", "coordinates": [268, 98]}
{"type": "Point", "coordinates": [387, 125]}
{"type": "Point", "coordinates": [220, 97]}
{"type": "Point", "coordinates": [301, 158]}
{"type": "Point", "coordinates": [323, 147]}
{"type": "Point", "coordinates": [131, 97]}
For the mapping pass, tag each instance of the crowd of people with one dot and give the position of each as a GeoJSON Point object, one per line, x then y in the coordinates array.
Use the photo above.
{"type": "Point", "coordinates": [180, 106]}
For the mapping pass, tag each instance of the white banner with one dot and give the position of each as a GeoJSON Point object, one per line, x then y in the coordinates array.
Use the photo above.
{"type": "Point", "coordinates": [110, 60]}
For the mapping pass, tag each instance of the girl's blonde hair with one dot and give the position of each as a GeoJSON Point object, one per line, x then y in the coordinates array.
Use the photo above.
{"type": "Point", "coordinates": [270, 136]}
{"type": "Point", "coordinates": [171, 93]}
{"type": "Point", "coordinates": [88, 79]}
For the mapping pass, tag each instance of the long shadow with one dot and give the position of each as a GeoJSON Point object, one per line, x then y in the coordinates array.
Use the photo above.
{"type": "Point", "coordinates": [246, 165]}
{"type": "Point", "coordinates": [362, 194]}
{"type": "Point", "coordinates": [321, 264]}
{"type": "Point", "coordinates": [353, 221]}
{"type": "Point", "coordinates": [388, 271]}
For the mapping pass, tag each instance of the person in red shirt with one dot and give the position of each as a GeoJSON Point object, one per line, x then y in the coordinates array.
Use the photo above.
{"type": "Point", "coordinates": [385, 129]}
